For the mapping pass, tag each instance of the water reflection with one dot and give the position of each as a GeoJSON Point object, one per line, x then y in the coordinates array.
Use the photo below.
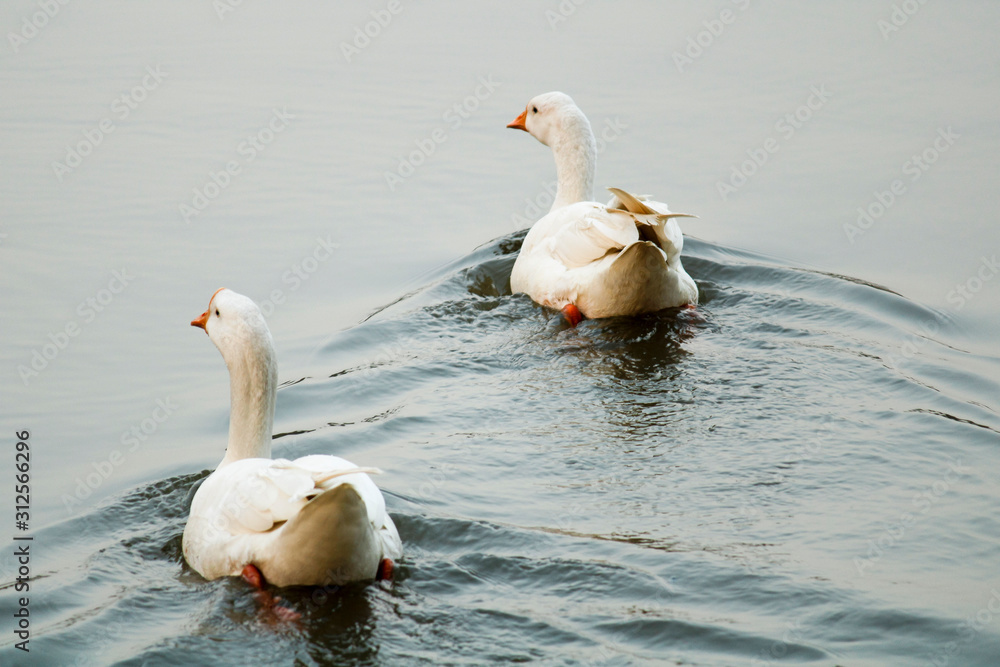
{"type": "Point", "coordinates": [609, 488]}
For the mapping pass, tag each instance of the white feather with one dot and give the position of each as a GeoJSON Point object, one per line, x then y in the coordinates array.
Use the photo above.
{"type": "Point", "coordinates": [293, 520]}
{"type": "Point", "coordinates": [620, 259]}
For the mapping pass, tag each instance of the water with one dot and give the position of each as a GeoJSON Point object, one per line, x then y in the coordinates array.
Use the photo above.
{"type": "Point", "coordinates": [801, 471]}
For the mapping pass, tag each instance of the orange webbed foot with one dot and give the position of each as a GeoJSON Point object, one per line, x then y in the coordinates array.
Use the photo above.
{"type": "Point", "coordinates": [270, 609]}
{"type": "Point", "coordinates": [572, 314]}
{"type": "Point", "coordinates": [385, 569]}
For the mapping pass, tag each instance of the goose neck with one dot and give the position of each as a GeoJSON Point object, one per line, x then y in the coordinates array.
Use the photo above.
{"type": "Point", "coordinates": [575, 154]}
{"type": "Point", "coordinates": [253, 382]}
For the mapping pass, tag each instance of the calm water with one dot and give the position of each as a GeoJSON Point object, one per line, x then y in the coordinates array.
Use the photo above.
{"type": "Point", "coordinates": [803, 471]}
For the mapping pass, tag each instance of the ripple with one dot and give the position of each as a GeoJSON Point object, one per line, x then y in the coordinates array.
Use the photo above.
{"type": "Point", "coordinates": [689, 486]}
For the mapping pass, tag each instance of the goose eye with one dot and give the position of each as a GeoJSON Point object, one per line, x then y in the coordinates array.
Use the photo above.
{"type": "Point", "coordinates": [217, 312]}
{"type": "Point", "coordinates": [534, 109]}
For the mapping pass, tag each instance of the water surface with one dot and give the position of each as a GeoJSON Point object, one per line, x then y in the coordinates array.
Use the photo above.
{"type": "Point", "coordinates": [799, 471]}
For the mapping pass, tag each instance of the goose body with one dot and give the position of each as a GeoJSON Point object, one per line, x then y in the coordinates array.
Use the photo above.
{"type": "Point", "coordinates": [620, 258]}
{"type": "Point", "coordinates": [317, 520]}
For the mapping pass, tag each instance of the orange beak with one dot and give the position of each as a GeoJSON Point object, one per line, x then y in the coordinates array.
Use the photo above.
{"type": "Point", "coordinates": [518, 123]}
{"type": "Point", "coordinates": [202, 320]}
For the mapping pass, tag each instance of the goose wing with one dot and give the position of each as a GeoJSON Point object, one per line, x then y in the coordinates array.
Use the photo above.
{"type": "Point", "coordinates": [254, 495]}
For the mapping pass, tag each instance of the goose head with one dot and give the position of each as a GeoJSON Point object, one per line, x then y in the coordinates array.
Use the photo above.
{"type": "Point", "coordinates": [235, 324]}
{"type": "Point", "coordinates": [550, 117]}
{"type": "Point", "coordinates": [237, 327]}
{"type": "Point", "coordinates": [555, 120]}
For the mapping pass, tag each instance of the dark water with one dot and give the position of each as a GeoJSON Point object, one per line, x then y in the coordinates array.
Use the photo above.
{"type": "Point", "coordinates": [802, 470]}
{"type": "Point", "coordinates": [686, 487]}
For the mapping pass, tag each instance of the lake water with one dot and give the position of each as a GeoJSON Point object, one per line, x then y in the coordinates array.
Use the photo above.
{"type": "Point", "coordinates": [801, 471]}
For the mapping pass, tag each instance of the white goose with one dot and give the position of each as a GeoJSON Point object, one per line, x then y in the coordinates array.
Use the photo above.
{"type": "Point", "coordinates": [588, 259]}
{"type": "Point", "coordinates": [318, 520]}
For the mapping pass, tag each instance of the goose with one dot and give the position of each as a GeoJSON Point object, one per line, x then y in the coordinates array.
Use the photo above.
{"type": "Point", "coordinates": [317, 520]}
{"type": "Point", "coordinates": [589, 259]}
